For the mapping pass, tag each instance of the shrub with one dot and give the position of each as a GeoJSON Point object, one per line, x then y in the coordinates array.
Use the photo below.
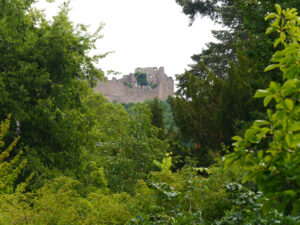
{"type": "Point", "coordinates": [10, 165]}
{"type": "Point", "coordinates": [184, 197]}
{"type": "Point", "coordinates": [247, 209]}
{"type": "Point", "coordinates": [275, 168]}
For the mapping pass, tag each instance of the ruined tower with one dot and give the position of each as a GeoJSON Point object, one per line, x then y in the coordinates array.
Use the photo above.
{"type": "Point", "coordinates": [126, 89]}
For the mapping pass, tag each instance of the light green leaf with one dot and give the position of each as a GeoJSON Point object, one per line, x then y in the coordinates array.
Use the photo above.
{"type": "Point", "coordinates": [270, 30]}
{"type": "Point", "coordinates": [288, 139]}
{"type": "Point", "coordinates": [274, 85]}
{"type": "Point", "coordinates": [260, 155]}
{"type": "Point", "coordinates": [267, 100]}
{"type": "Point", "coordinates": [278, 9]}
{"type": "Point", "coordinates": [228, 161]}
{"type": "Point", "coordinates": [271, 67]}
{"type": "Point", "coordinates": [282, 36]}
{"type": "Point", "coordinates": [236, 138]}
{"type": "Point", "coordinates": [296, 140]}
{"type": "Point", "coordinates": [269, 113]}
{"type": "Point", "coordinates": [268, 158]}
{"type": "Point", "coordinates": [291, 193]}
{"type": "Point", "coordinates": [247, 177]}
{"type": "Point", "coordinates": [270, 16]}
{"type": "Point", "coordinates": [261, 93]}
{"type": "Point", "coordinates": [275, 23]}
{"type": "Point", "coordinates": [292, 127]}
{"type": "Point", "coordinates": [249, 134]}
{"type": "Point", "coordinates": [277, 41]}
{"type": "Point", "coordinates": [289, 87]}
{"type": "Point", "coordinates": [280, 106]}
{"type": "Point", "coordinates": [265, 130]}
{"type": "Point", "coordinates": [273, 152]}
{"type": "Point", "coordinates": [289, 104]}
{"type": "Point", "coordinates": [202, 169]}
{"type": "Point", "coordinates": [259, 123]}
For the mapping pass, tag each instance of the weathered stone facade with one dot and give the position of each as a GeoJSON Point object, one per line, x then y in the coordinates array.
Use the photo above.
{"type": "Point", "coordinates": [126, 90]}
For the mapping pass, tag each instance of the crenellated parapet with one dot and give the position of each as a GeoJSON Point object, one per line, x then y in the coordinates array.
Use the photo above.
{"type": "Point", "coordinates": [127, 90]}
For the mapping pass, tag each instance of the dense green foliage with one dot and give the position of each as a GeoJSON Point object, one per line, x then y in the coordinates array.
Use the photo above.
{"type": "Point", "coordinates": [10, 167]}
{"type": "Point", "coordinates": [141, 79]}
{"type": "Point", "coordinates": [157, 118]}
{"type": "Point", "coordinates": [127, 84]}
{"type": "Point", "coordinates": [130, 156]}
{"type": "Point", "coordinates": [185, 197]}
{"type": "Point", "coordinates": [168, 121]}
{"type": "Point", "coordinates": [89, 161]}
{"type": "Point", "coordinates": [275, 168]}
{"type": "Point", "coordinates": [45, 74]}
{"type": "Point", "coordinates": [215, 97]}
{"type": "Point", "coordinates": [247, 208]}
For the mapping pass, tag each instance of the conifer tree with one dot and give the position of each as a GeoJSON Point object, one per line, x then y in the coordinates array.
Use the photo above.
{"type": "Point", "coordinates": [157, 116]}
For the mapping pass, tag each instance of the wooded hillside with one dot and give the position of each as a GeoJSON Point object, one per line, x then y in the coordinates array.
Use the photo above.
{"type": "Point", "coordinates": [224, 150]}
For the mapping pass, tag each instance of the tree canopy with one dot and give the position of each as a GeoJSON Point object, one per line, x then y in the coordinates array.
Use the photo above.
{"type": "Point", "coordinates": [45, 74]}
{"type": "Point", "coordinates": [69, 156]}
{"type": "Point", "coordinates": [214, 99]}
{"type": "Point", "coordinates": [141, 79]}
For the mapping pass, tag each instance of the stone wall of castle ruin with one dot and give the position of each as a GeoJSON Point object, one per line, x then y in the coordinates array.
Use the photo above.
{"type": "Point", "coordinates": [115, 90]}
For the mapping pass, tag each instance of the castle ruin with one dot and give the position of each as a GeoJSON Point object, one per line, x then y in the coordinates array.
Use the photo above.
{"type": "Point", "coordinates": [127, 90]}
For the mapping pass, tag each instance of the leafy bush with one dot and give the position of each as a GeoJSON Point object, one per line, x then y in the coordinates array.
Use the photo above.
{"type": "Point", "coordinates": [153, 85]}
{"type": "Point", "coordinates": [129, 156]}
{"type": "Point", "coordinates": [247, 209]}
{"type": "Point", "coordinates": [45, 74]}
{"type": "Point", "coordinates": [10, 165]}
{"type": "Point", "coordinates": [127, 84]}
{"type": "Point", "coordinates": [141, 79]}
{"type": "Point", "coordinates": [184, 197]}
{"type": "Point", "coordinates": [275, 168]}
{"type": "Point", "coordinates": [62, 201]}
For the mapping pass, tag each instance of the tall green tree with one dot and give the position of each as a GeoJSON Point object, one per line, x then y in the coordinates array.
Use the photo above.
{"type": "Point", "coordinates": [141, 79]}
{"type": "Point", "coordinates": [245, 26]}
{"type": "Point", "coordinates": [195, 111]}
{"type": "Point", "coordinates": [157, 117]}
{"type": "Point", "coordinates": [275, 167]}
{"type": "Point", "coordinates": [45, 71]}
{"type": "Point", "coordinates": [236, 61]}
{"type": "Point", "coordinates": [129, 156]}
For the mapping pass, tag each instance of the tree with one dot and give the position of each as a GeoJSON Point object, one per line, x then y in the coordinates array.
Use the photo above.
{"type": "Point", "coordinates": [141, 79]}
{"type": "Point", "coordinates": [195, 110]}
{"type": "Point", "coordinates": [10, 165]}
{"type": "Point", "coordinates": [157, 116]}
{"type": "Point", "coordinates": [215, 97]}
{"type": "Point", "coordinates": [129, 156]}
{"type": "Point", "coordinates": [275, 167]}
{"type": "Point", "coordinates": [45, 72]}
{"type": "Point", "coordinates": [245, 25]}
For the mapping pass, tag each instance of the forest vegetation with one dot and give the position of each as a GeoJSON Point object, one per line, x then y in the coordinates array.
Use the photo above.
{"type": "Point", "coordinates": [224, 150]}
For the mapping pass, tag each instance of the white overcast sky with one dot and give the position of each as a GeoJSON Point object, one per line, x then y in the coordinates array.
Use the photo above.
{"type": "Point", "coordinates": [142, 33]}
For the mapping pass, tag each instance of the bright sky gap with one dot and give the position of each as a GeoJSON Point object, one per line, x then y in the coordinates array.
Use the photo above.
{"type": "Point", "coordinates": [141, 33]}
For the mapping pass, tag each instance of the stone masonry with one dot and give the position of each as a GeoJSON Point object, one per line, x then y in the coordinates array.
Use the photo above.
{"type": "Point", "coordinates": [126, 90]}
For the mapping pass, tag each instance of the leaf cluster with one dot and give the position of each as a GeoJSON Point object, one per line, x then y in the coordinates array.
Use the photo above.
{"type": "Point", "coordinates": [275, 168]}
